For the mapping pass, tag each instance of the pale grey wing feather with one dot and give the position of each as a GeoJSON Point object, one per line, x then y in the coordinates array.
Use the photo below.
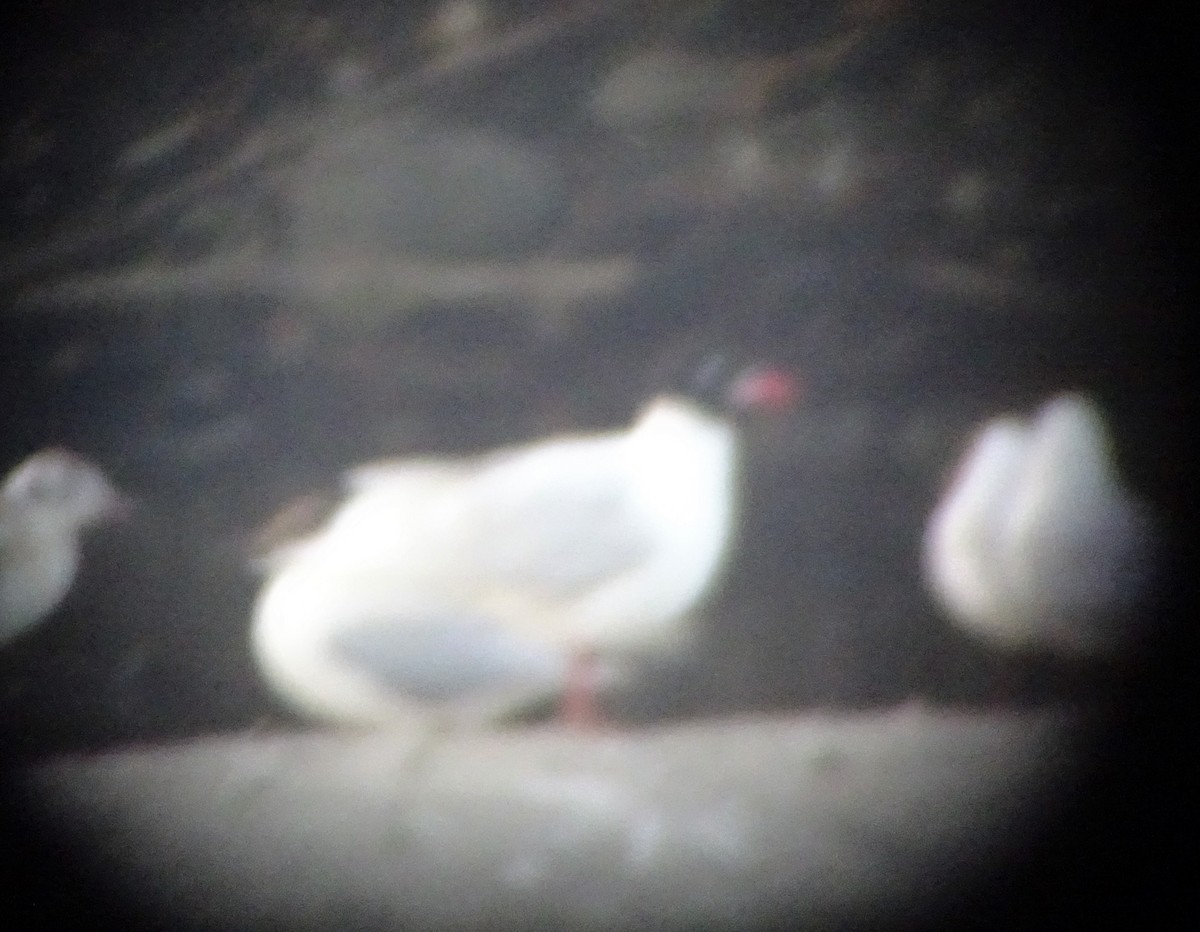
{"type": "Point", "coordinates": [562, 525]}
{"type": "Point", "coordinates": [1091, 536]}
{"type": "Point", "coordinates": [445, 657]}
{"type": "Point", "coordinates": [429, 472]}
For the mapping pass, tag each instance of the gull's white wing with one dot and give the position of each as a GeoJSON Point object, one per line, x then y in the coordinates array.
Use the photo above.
{"type": "Point", "coordinates": [557, 519]}
{"type": "Point", "coordinates": [430, 472]}
{"type": "Point", "coordinates": [444, 656]}
{"type": "Point", "coordinates": [963, 540]}
{"type": "Point", "coordinates": [546, 521]}
{"type": "Point", "coordinates": [1082, 543]}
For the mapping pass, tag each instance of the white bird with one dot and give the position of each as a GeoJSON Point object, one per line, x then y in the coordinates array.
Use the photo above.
{"type": "Point", "coordinates": [45, 504]}
{"type": "Point", "coordinates": [1036, 543]}
{"type": "Point", "coordinates": [471, 588]}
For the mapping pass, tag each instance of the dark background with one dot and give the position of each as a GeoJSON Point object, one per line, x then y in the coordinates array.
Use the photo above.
{"type": "Point", "coordinates": [967, 208]}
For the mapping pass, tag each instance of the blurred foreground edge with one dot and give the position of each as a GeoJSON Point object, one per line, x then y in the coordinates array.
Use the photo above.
{"type": "Point", "coordinates": [908, 818]}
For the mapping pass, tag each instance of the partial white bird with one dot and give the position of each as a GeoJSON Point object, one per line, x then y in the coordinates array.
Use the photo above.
{"type": "Point", "coordinates": [45, 504]}
{"type": "Point", "coordinates": [471, 588]}
{"type": "Point", "coordinates": [1037, 543]}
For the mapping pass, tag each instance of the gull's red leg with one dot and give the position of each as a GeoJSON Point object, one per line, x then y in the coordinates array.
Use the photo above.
{"type": "Point", "coordinates": [580, 707]}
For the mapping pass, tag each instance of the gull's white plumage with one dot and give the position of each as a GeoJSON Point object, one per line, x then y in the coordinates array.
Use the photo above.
{"type": "Point", "coordinates": [45, 504]}
{"type": "Point", "coordinates": [1036, 542]}
{"type": "Point", "coordinates": [467, 586]}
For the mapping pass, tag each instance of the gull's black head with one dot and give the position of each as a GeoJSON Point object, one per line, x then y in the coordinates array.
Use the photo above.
{"type": "Point", "coordinates": [722, 382]}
